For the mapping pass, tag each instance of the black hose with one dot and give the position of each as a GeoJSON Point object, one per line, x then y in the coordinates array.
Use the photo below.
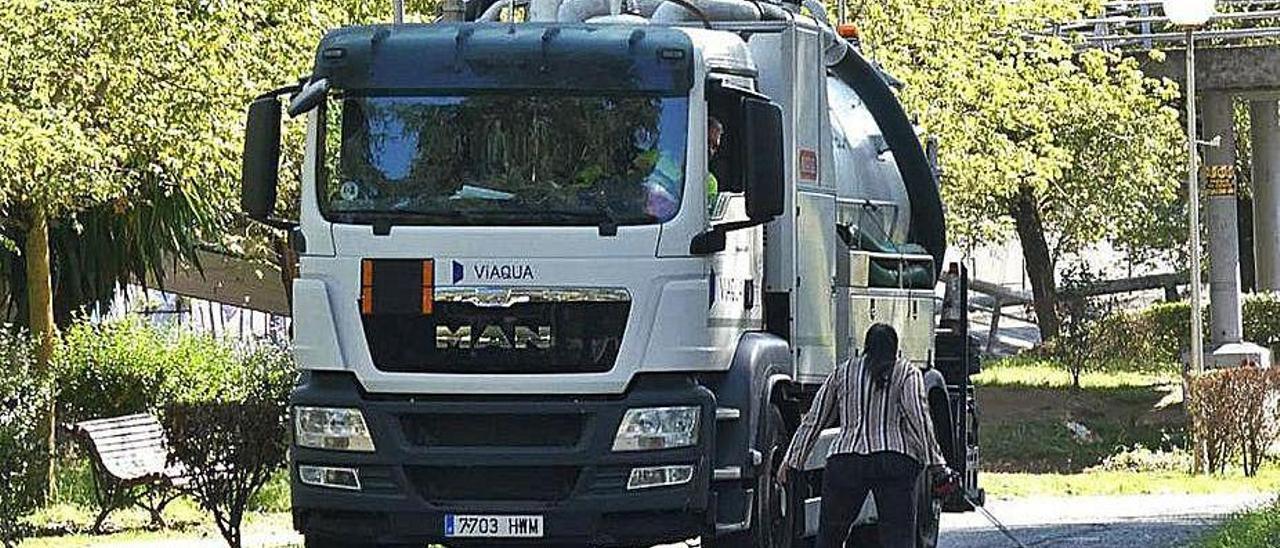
{"type": "Point", "coordinates": [928, 223]}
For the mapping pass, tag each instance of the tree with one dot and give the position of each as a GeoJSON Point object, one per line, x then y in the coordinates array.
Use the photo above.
{"type": "Point", "coordinates": [1061, 146]}
{"type": "Point", "coordinates": [122, 136]}
{"type": "Point", "coordinates": [113, 109]}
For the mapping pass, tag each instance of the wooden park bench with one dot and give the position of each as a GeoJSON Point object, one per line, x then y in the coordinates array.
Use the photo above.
{"type": "Point", "coordinates": [130, 457]}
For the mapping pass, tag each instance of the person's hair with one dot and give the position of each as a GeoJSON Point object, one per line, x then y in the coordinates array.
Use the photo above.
{"type": "Point", "coordinates": [881, 350]}
{"type": "Point", "coordinates": [713, 122]}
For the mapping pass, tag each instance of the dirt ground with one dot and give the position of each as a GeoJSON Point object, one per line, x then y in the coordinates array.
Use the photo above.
{"type": "Point", "coordinates": [1028, 429]}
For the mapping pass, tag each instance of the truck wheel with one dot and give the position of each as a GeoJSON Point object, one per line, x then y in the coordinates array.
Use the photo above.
{"type": "Point", "coordinates": [928, 513]}
{"type": "Point", "coordinates": [773, 521]}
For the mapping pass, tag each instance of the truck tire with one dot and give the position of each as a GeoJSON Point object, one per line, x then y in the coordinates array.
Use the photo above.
{"type": "Point", "coordinates": [772, 521]}
{"type": "Point", "coordinates": [928, 513]}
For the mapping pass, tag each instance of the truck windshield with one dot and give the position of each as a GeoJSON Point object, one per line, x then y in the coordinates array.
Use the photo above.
{"type": "Point", "coordinates": [504, 159]}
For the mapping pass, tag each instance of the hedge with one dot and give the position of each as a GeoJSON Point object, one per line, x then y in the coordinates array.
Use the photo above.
{"type": "Point", "coordinates": [128, 366]}
{"type": "Point", "coordinates": [1235, 415]}
{"type": "Point", "coordinates": [1155, 338]}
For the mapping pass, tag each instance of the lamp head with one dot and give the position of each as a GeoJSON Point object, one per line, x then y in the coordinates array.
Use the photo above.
{"type": "Point", "coordinates": [1189, 13]}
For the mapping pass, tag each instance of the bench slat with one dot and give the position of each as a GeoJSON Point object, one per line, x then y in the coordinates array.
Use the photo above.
{"type": "Point", "coordinates": [123, 430]}
{"type": "Point", "coordinates": [121, 418]}
{"type": "Point", "coordinates": [133, 470]}
{"type": "Point", "coordinates": [126, 453]}
{"type": "Point", "coordinates": [102, 424]}
{"type": "Point", "coordinates": [141, 434]}
{"type": "Point", "coordinates": [134, 441]}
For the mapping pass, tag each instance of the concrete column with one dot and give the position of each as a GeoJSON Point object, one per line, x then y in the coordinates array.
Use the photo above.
{"type": "Point", "coordinates": [1223, 240]}
{"type": "Point", "coordinates": [1265, 129]}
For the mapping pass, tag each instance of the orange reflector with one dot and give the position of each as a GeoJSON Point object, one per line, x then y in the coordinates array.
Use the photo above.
{"type": "Point", "coordinates": [366, 287]}
{"type": "Point", "coordinates": [428, 285]}
{"type": "Point", "coordinates": [848, 30]}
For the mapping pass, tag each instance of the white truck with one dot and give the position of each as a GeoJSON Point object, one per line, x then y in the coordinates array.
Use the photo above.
{"type": "Point", "coordinates": [573, 279]}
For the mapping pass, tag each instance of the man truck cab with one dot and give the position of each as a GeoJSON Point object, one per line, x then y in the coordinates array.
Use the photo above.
{"type": "Point", "coordinates": [504, 337]}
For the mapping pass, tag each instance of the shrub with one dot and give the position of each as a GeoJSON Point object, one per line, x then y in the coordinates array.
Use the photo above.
{"type": "Point", "coordinates": [1234, 415]}
{"type": "Point", "coordinates": [1261, 317]}
{"type": "Point", "coordinates": [1079, 339]}
{"type": "Point", "coordinates": [110, 369]}
{"type": "Point", "coordinates": [24, 393]}
{"type": "Point", "coordinates": [231, 434]}
{"type": "Point", "coordinates": [1141, 459]}
{"type": "Point", "coordinates": [129, 366]}
{"type": "Point", "coordinates": [1156, 337]}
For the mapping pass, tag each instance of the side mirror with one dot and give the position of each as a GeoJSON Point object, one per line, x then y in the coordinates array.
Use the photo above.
{"type": "Point", "coordinates": [260, 171]}
{"type": "Point", "coordinates": [765, 171]}
{"type": "Point", "coordinates": [311, 95]}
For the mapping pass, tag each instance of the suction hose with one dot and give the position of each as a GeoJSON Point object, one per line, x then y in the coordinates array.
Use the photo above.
{"type": "Point", "coordinates": [928, 221]}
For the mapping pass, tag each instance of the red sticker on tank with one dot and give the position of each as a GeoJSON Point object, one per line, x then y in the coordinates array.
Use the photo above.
{"type": "Point", "coordinates": [808, 165]}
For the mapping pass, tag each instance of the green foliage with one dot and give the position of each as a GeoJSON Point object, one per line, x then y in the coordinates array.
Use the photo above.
{"type": "Point", "coordinates": [1156, 338]}
{"type": "Point", "coordinates": [1258, 528]}
{"type": "Point", "coordinates": [223, 404]}
{"type": "Point", "coordinates": [124, 121]}
{"type": "Point", "coordinates": [1080, 336]}
{"type": "Point", "coordinates": [233, 439]}
{"type": "Point", "coordinates": [1261, 318]}
{"type": "Point", "coordinates": [23, 396]}
{"type": "Point", "coordinates": [1094, 139]}
{"type": "Point", "coordinates": [1006, 485]}
{"type": "Point", "coordinates": [274, 495]}
{"type": "Point", "coordinates": [110, 369]}
{"type": "Point", "coordinates": [128, 366]}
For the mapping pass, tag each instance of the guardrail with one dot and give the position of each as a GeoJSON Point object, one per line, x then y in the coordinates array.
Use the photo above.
{"type": "Point", "coordinates": [1142, 25]}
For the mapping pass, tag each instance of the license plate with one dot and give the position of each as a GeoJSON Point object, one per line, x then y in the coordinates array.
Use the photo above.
{"type": "Point", "coordinates": [459, 526]}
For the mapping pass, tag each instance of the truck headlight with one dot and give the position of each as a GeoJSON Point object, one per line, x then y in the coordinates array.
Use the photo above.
{"type": "Point", "coordinates": [648, 428]}
{"type": "Point", "coordinates": [339, 429]}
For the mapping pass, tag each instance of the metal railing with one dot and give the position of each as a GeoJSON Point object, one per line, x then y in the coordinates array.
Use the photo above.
{"type": "Point", "coordinates": [1142, 25]}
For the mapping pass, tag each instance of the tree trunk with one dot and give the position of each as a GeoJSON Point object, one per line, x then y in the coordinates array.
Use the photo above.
{"type": "Point", "coordinates": [43, 329]}
{"type": "Point", "coordinates": [1035, 253]}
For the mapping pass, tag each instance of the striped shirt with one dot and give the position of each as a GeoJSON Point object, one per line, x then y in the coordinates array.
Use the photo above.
{"type": "Point", "coordinates": [873, 418]}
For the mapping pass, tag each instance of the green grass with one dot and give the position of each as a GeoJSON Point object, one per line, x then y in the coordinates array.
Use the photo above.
{"type": "Point", "coordinates": [1255, 529]}
{"type": "Point", "coordinates": [187, 523]}
{"type": "Point", "coordinates": [67, 522]}
{"type": "Point", "coordinates": [1030, 372]}
{"type": "Point", "coordinates": [1009, 485]}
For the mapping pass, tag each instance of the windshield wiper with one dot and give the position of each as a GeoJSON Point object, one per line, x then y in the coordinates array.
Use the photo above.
{"type": "Point", "coordinates": [605, 220]}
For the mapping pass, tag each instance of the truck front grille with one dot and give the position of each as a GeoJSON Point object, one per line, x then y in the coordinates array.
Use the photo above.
{"type": "Point", "coordinates": [494, 483]}
{"type": "Point", "coordinates": [523, 338]}
{"type": "Point", "coordinates": [492, 430]}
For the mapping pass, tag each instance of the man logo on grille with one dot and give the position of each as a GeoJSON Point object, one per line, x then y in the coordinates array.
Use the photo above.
{"type": "Point", "coordinates": [494, 336]}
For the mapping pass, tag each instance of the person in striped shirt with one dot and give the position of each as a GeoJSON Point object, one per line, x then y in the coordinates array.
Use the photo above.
{"type": "Point", "coordinates": [886, 440]}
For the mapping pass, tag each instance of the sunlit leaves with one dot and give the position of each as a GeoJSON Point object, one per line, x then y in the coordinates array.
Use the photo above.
{"type": "Point", "coordinates": [1097, 141]}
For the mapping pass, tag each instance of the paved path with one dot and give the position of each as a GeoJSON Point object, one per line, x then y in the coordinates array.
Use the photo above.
{"type": "Point", "coordinates": [1146, 521]}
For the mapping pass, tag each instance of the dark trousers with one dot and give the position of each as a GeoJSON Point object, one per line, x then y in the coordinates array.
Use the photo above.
{"type": "Point", "coordinates": [848, 477]}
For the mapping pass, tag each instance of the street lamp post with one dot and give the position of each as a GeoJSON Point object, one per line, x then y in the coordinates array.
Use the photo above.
{"type": "Point", "coordinates": [1191, 14]}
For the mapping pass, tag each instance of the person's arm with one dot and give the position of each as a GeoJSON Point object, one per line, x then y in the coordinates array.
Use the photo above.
{"type": "Point", "coordinates": [916, 409]}
{"type": "Point", "coordinates": [819, 415]}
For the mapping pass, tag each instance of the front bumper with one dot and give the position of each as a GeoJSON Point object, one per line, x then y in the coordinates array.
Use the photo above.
{"type": "Point", "coordinates": [557, 463]}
